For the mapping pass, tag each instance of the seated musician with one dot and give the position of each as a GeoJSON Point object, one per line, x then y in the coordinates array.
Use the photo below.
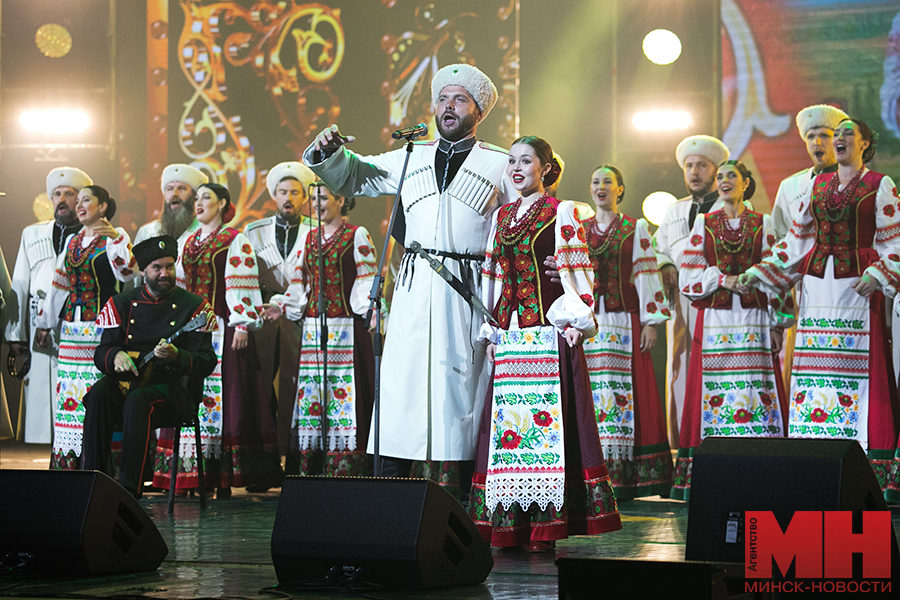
{"type": "Point", "coordinates": [159, 324]}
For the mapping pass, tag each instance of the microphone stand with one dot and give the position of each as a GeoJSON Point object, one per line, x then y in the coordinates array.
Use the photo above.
{"type": "Point", "coordinates": [375, 305]}
{"type": "Point", "coordinates": [323, 340]}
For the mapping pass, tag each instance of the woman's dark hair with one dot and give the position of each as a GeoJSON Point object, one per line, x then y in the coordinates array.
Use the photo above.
{"type": "Point", "coordinates": [867, 134]}
{"type": "Point", "coordinates": [620, 180]}
{"type": "Point", "coordinates": [544, 153]}
{"type": "Point", "coordinates": [222, 193]}
{"type": "Point", "coordinates": [103, 197]}
{"type": "Point", "coordinates": [745, 173]}
{"type": "Point", "coordinates": [349, 202]}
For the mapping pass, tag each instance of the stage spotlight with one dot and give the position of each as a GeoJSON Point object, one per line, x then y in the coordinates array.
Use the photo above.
{"type": "Point", "coordinates": [655, 206]}
{"type": "Point", "coordinates": [54, 41]}
{"type": "Point", "coordinates": [57, 121]}
{"type": "Point", "coordinates": [662, 47]}
{"type": "Point", "coordinates": [656, 120]}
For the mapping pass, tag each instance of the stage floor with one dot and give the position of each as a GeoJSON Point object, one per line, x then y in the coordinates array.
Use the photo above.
{"type": "Point", "coordinates": [224, 551]}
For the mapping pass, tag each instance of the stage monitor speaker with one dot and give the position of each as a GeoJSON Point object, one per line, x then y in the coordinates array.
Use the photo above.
{"type": "Point", "coordinates": [400, 533]}
{"type": "Point", "coordinates": [76, 523]}
{"type": "Point", "coordinates": [733, 475]}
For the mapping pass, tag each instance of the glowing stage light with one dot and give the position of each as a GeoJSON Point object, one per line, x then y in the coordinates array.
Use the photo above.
{"type": "Point", "coordinates": [655, 206]}
{"type": "Point", "coordinates": [662, 47]}
{"type": "Point", "coordinates": [658, 120]}
{"type": "Point", "coordinates": [57, 121]}
{"type": "Point", "coordinates": [54, 41]}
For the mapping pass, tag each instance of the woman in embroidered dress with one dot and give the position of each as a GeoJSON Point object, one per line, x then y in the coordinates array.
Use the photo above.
{"type": "Point", "coordinates": [734, 383]}
{"type": "Point", "coordinates": [237, 425]}
{"type": "Point", "coordinates": [539, 475]}
{"type": "Point", "coordinates": [628, 304]}
{"type": "Point", "coordinates": [96, 262]}
{"type": "Point", "coordinates": [845, 245]}
{"type": "Point", "coordinates": [349, 259]}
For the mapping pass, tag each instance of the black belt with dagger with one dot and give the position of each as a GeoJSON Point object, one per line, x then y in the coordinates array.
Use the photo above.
{"type": "Point", "coordinates": [454, 282]}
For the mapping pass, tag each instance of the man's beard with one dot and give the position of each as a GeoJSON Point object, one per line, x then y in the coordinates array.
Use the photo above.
{"type": "Point", "coordinates": [464, 127]}
{"type": "Point", "coordinates": [66, 220]}
{"type": "Point", "coordinates": [176, 222]}
{"type": "Point", "coordinates": [160, 288]}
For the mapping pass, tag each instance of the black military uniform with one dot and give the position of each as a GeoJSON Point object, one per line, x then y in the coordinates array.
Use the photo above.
{"type": "Point", "coordinates": [134, 322]}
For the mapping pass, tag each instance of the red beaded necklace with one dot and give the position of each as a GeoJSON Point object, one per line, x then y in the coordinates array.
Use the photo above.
{"type": "Point", "coordinates": [606, 237]}
{"type": "Point", "coordinates": [509, 233]}
{"type": "Point", "coordinates": [836, 202]}
{"type": "Point", "coordinates": [732, 239]}
{"type": "Point", "coordinates": [195, 247]}
{"type": "Point", "coordinates": [77, 255]}
{"type": "Point", "coordinates": [331, 240]}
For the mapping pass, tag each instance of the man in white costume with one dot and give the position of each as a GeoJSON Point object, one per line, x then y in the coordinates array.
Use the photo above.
{"type": "Point", "coordinates": [699, 156]}
{"type": "Point", "coordinates": [179, 184]}
{"type": "Point", "coordinates": [278, 241]}
{"type": "Point", "coordinates": [39, 248]}
{"type": "Point", "coordinates": [433, 376]}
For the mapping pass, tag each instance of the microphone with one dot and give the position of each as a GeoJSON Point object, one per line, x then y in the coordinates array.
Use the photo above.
{"type": "Point", "coordinates": [408, 133]}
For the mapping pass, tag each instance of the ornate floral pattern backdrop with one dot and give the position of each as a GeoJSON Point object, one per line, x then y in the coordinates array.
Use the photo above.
{"type": "Point", "coordinates": [252, 83]}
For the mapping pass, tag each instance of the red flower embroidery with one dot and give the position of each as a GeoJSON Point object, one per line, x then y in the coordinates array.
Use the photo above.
{"type": "Point", "coordinates": [645, 243]}
{"type": "Point", "coordinates": [235, 261]}
{"type": "Point", "coordinates": [659, 297]}
{"type": "Point", "coordinates": [126, 272]}
{"type": "Point", "coordinates": [238, 309]}
{"type": "Point", "coordinates": [249, 262]}
{"type": "Point", "coordinates": [665, 312]}
{"type": "Point", "coordinates": [543, 419]}
{"type": "Point", "coordinates": [300, 393]}
{"type": "Point", "coordinates": [845, 400]}
{"type": "Point", "coordinates": [246, 249]}
{"type": "Point", "coordinates": [889, 210]}
{"type": "Point", "coordinates": [893, 257]}
{"type": "Point", "coordinates": [601, 416]}
{"type": "Point", "coordinates": [651, 307]}
{"type": "Point", "coordinates": [365, 250]}
{"type": "Point", "coordinates": [209, 401]}
{"type": "Point", "coordinates": [696, 240]}
{"type": "Point", "coordinates": [251, 314]}
{"type": "Point", "coordinates": [894, 192]}
{"type": "Point", "coordinates": [70, 404]}
{"type": "Point", "coordinates": [567, 231]}
{"type": "Point", "coordinates": [771, 239]}
{"type": "Point", "coordinates": [119, 261]}
{"type": "Point", "coordinates": [510, 439]}
{"type": "Point", "coordinates": [697, 288]}
{"type": "Point", "coordinates": [742, 415]}
{"type": "Point", "coordinates": [782, 257]}
{"type": "Point", "coordinates": [782, 246]}
{"type": "Point", "coordinates": [315, 409]}
{"type": "Point", "coordinates": [686, 289]}
{"type": "Point", "coordinates": [246, 300]}
{"type": "Point", "coordinates": [818, 415]}
{"type": "Point", "coordinates": [587, 299]}
{"type": "Point", "coordinates": [799, 397]}
{"type": "Point", "coordinates": [581, 234]}
{"type": "Point", "coordinates": [340, 393]}
{"type": "Point", "coordinates": [716, 401]}
{"type": "Point", "coordinates": [621, 400]}
{"type": "Point", "coordinates": [525, 290]}
{"type": "Point", "coordinates": [765, 398]}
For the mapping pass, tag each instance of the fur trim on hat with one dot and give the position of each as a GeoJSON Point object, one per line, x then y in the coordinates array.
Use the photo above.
{"type": "Point", "coordinates": [702, 145]}
{"type": "Point", "coordinates": [818, 115]}
{"type": "Point", "coordinates": [69, 177]}
{"type": "Point", "coordinates": [479, 85]}
{"type": "Point", "coordinates": [290, 169]}
{"type": "Point", "coordinates": [184, 173]}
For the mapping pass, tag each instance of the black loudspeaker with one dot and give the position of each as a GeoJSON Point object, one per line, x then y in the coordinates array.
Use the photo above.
{"type": "Point", "coordinates": [400, 533]}
{"type": "Point", "coordinates": [782, 475]}
{"type": "Point", "coordinates": [76, 523]}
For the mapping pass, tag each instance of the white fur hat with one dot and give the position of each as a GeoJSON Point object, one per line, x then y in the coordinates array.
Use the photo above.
{"type": "Point", "coordinates": [290, 169]}
{"type": "Point", "coordinates": [818, 115]}
{"type": "Point", "coordinates": [702, 145]}
{"type": "Point", "coordinates": [67, 176]}
{"type": "Point", "coordinates": [479, 85]}
{"type": "Point", "coordinates": [184, 173]}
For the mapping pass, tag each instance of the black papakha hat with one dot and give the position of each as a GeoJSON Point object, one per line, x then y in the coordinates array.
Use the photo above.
{"type": "Point", "coordinates": [156, 247]}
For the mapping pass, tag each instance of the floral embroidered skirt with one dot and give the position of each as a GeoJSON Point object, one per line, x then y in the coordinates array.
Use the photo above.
{"type": "Point", "coordinates": [237, 425]}
{"type": "Point", "coordinates": [734, 385]}
{"type": "Point", "coordinates": [351, 379]}
{"type": "Point", "coordinates": [843, 383]}
{"type": "Point", "coordinates": [630, 417]}
{"type": "Point", "coordinates": [76, 373]}
{"type": "Point", "coordinates": [518, 442]}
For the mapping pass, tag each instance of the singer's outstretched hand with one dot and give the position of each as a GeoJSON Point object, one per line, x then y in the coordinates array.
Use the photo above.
{"type": "Point", "coordinates": [331, 139]}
